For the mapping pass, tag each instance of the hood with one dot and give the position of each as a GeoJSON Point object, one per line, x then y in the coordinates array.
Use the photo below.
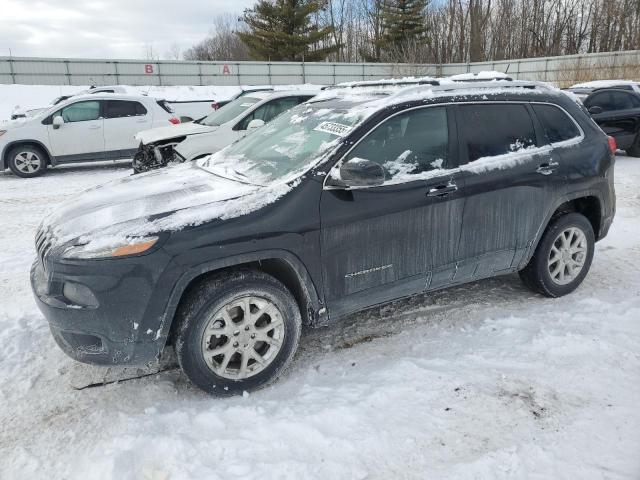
{"type": "Point", "coordinates": [146, 203]}
{"type": "Point", "coordinates": [171, 131]}
{"type": "Point", "coordinates": [17, 123]}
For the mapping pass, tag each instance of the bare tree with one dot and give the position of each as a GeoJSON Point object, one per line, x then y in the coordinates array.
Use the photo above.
{"type": "Point", "coordinates": [222, 43]}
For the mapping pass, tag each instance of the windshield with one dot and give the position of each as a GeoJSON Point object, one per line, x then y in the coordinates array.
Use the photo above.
{"type": "Point", "coordinates": [288, 145]}
{"type": "Point", "coordinates": [228, 112]}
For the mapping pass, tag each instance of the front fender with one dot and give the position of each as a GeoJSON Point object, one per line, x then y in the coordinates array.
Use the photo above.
{"type": "Point", "coordinates": [166, 316]}
{"type": "Point", "coordinates": [5, 151]}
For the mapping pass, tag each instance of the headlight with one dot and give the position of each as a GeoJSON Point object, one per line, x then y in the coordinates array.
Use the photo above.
{"type": "Point", "coordinates": [126, 247]}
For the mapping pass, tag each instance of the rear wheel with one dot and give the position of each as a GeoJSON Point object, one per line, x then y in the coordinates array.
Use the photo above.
{"type": "Point", "coordinates": [27, 161]}
{"type": "Point", "coordinates": [563, 256]}
{"type": "Point", "coordinates": [237, 332]}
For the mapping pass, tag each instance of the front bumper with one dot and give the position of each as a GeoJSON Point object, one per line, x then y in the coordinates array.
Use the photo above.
{"type": "Point", "coordinates": [119, 324]}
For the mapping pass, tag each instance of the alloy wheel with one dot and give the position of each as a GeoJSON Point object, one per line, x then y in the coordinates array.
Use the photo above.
{"type": "Point", "coordinates": [27, 162]}
{"type": "Point", "coordinates": [567, 256]}
{"type": "Point", "coordinates": [243, 337]}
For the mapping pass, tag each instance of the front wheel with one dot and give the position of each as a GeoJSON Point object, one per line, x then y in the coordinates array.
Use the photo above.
{"type": "Point", "coordinates": [563, 256]}
{"type": "Point", "coordinates": [237, 332]}
{"type": "Point", "coordinates": [27, 161]}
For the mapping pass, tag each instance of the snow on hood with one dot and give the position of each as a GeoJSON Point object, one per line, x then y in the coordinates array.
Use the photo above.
{"type": "Point", "coordinates": [171, 131]}
{"type": "Point", "coordinates": [162, 200]}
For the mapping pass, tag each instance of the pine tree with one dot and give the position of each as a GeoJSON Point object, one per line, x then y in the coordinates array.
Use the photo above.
{"type": "Point", "coordinates": [282, 30]}
{"type": "Point", "coordinates": [403, 21]}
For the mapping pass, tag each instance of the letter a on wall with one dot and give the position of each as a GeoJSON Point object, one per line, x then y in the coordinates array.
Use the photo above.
{"type": "Point", "coordinates": [226, 70]}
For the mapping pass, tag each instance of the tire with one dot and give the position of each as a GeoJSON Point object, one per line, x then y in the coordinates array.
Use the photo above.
{"type": "Point", "coordinates": [559, 277]}
{"type": "Point", "coordinates": [634, 149]}
{"type": "Point", "coordinates": [27, 161]}
{"type": "Point", "coordinates": [203, 329]}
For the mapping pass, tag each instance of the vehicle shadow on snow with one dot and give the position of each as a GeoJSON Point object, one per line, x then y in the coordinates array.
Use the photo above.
{"type": "Point", "coordinates": [444, 307]}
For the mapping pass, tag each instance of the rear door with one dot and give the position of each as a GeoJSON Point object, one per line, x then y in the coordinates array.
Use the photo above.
{"type": "Point", "coordinates": [122, 120]}
{"type": "Point", "coordinates": [620, 116]}
{"type": "Point", "coordinates": [81, 138]}
{"type": "Point", "coordinates": [506, 186]}
{"type": "Point", "coordinates": [384, 242]}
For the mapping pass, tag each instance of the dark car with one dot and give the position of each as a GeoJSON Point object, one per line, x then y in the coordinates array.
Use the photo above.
{"type": "Point", "coordinates": [339, 204]}
{"type": "Point", "coordinates": [617, 111]}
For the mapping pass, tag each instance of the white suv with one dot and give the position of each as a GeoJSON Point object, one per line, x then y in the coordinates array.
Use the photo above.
{"type": "Point", "coordinates": [207, 135]}
{"type": "Point", "coordinates": [83, 128]}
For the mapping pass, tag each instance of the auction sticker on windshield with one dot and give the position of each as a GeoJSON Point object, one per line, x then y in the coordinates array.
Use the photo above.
{"type": "Point", "coordinates": [333, 128]}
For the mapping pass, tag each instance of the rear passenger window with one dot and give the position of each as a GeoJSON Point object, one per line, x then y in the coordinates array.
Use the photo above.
{"type": "Point", "coordinates": [623, 100]}
{"type": "Point", "coordinates": [122, 108]}
{"type": "Point", "coordinates": [407, 144]}
{"type": "Point", "coordinates": [491, 130]}
{"type": "Point", "coordinates": [556, 123]}
{"type": "Point", "coordinates": [602, 100]}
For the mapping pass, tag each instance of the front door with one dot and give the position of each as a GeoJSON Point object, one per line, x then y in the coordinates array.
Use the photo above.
{"type": "Point", "coordinates": [384, 242]}
{"type": "Point", "coordinates": [81, 137]}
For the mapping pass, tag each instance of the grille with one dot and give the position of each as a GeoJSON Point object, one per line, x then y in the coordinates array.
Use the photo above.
{"type": "Point", "coordinates": [44, 242]}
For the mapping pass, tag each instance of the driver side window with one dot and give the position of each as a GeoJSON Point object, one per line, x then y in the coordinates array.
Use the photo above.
{"type": "Point", "coordinates": [80, 112]}
{"type": "Point", "coordinates": [407, 144]}
{"type": "Point", "coordinates": [268, 111]}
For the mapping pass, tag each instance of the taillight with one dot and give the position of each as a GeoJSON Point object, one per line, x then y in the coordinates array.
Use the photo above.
{"type": "Point", "coordinates": [174, 120]}
{"type": "Point", "coordinates": [215, 105]}
{"type": "Point", "coordinates": [613, 146]}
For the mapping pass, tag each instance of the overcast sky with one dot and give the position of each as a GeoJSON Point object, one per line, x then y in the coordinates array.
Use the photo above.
{"type": "Point", "coordinates": [106, 28]}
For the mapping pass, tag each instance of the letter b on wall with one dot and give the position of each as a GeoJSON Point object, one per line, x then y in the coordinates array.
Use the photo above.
{"type": "Point", "coordinates": [148, 69]}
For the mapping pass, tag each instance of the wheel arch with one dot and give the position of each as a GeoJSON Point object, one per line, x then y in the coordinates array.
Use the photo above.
{"type": "Point", "coordinates": [17, 143]}
{"type": "Point", "coordinates": [588, 203]}
{"type": "Point", "coordinates": [282, 265]}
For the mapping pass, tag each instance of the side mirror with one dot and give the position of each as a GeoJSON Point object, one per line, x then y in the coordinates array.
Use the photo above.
{"type": "Point", "coordinates": [58, 121]}
{"type": "Point", "coordinates": [359, 172]}
{"type": "Point", "coordinates": [595, 110]}
{"type": "Point", "coordinates": [254, 124]}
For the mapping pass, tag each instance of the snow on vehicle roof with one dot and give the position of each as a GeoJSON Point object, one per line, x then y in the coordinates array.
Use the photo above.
{"type": "Point", "coordinates": [374, 100]}
{"type": "Point", "coordinates": [388, 81]}
{"type": "Point", "coordinates": [483, 75]}
{"type": "Point", "coordinates": [604, 83]}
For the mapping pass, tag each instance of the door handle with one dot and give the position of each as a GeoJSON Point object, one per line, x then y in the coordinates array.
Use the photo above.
{"type": "Point", "coordinates": [442, 190]}
{"type": "Point", "coordinates": [547, 168]}
{"type": "Point", "coordinates": [94, 127]}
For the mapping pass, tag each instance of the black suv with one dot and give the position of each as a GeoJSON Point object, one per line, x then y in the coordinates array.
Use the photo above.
{"type": "Point", "coordinates": [339, 204]}
{"type": "Point", "coordinates": [617, 111]}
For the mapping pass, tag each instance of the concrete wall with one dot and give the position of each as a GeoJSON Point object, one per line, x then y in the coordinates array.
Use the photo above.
{"type": "Point", "coordinates": [65, 71]}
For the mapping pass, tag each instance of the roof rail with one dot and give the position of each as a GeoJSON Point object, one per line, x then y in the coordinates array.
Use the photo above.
{"type": "Point", "coordinates": [384, 83]}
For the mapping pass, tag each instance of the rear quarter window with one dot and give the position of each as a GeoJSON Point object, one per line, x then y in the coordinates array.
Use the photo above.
{"type": "Point", "coordinates": [492, 129]}
{"type": "Point", "coordinates": [556, 124]}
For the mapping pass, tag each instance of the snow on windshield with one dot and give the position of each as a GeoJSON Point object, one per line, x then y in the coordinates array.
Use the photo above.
{"type": "Point", "coordinates": [286, 147]}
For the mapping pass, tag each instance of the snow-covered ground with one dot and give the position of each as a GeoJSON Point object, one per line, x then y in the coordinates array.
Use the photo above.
{"type": "Point", "coordinates": [482, 381]}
